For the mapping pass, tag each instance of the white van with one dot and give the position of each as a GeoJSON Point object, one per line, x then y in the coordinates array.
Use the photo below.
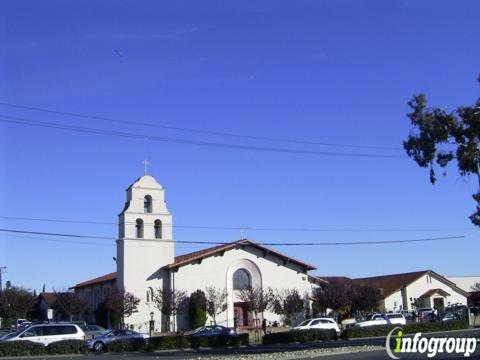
{"type": "Point", "coordinates": [47, 333]}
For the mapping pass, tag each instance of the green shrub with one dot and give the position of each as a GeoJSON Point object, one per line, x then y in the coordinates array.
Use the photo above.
{"type": "Point", "coordinates": [125, 345]}
{"type": "Point", "coordinates": [21, 348]}
{"type": "Point", "coordinates": [241, 340]}
{"type": "Point", "coordinates": [170, 342]}
{"type": "Point", "coordinates": [67, 347]}
{"type": "Point", "coordinates": [197, 310]}
{"type": "Point", "coordinates": [383, 330]}
{"type": "Point", "coordinates": [294, 336]}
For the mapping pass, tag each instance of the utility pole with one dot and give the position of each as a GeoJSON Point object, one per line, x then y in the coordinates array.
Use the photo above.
{"type": "Point", "coordinates": [3, 269]}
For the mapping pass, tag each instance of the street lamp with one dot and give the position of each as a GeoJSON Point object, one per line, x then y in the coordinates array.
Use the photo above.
{"type": "Point", "coordinates": [152, 323]}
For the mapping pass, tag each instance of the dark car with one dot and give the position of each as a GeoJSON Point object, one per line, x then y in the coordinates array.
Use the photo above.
{"type": "Point", "coordinates": [213, 330]}
{"type": "Point", "coordinates": [99, 343]}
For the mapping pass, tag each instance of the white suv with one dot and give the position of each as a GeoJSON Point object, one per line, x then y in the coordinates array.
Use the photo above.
{"type": "Point", "coordinates": [384, 319]}
{"type": "Point", "coordinates": [318, 323]}
{"type": "Point", "coordinates": [47, 333]}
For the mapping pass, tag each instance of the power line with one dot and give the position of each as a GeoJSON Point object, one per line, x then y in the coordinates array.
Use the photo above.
{"type": "Point", "coordinates": [251, 228]}
{"type": "Point", "coordinates": [89, 130]}
{"type": "Point", "coordinates": [336, 243]}
{"type": "Point", "coordinates": [192, 130]}
{"type": "Point", "coordinates": [78, 242]}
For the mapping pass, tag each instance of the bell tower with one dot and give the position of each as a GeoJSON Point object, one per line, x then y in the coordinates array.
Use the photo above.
{"type": "Point", "coordinates": [145, 244]}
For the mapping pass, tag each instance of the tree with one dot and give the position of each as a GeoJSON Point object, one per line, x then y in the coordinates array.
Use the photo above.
{"type": "Point", "coordinates": [15, 302]}
{"type": "Point", "coordinates": [69, 304]}
{"type": "Point", "coordinates": [438, 137]}
{"type": "Point", "coordinates": [333, 295]}
{"type": "Point", "coordinates": [169, 302]}
{"type": "Point", "coordinates": [286, 303]}
{"type": "Point", "coordinates": [363, 298]}
{"type": "Point", "coordinates": [257, 300]}
{"type": "Point", "coordinates": [120, 305]}
{"type": "Point", "coordinates": [216, 302]}
{"type": "Point", "coordinates": [197, 309]}
{"type": "Point", "coordinates": [101, 315]}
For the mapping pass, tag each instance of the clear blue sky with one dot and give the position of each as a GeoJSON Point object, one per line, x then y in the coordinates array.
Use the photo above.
{"type": "Point", "coordinates": [326, 71]}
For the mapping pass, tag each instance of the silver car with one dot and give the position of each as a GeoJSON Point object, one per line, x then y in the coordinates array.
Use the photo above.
{"type": "Point", "coordinates": [92, 331]}
{"type": "Point", "coordinates": [99, 343]}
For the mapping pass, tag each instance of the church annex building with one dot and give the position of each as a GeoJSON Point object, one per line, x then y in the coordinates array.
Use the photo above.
{"type": "Point", "coordinates": [146, 261]}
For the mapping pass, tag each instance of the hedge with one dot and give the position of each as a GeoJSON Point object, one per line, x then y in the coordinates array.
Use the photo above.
{"type": "Point", "coordinates": [294, 336]}
{"type": "Point", "coordinates": [21, 348]}
{"type": "Point", "coordinates": [383, 330]}
{"type": "Point", "coordinates": [169, 342]}
{"type": "Point", "coordinates": [29, 348]}
{"type": "Point", "coordinates": [219, 341]}
{"type": "Point", "coordinates": [66, 347]}
{"type": "Point", "coordinates": [125, 345]}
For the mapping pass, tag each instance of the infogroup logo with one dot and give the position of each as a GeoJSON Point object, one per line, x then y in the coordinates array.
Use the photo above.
{"type": "Point", "coordinates": [431, 346]}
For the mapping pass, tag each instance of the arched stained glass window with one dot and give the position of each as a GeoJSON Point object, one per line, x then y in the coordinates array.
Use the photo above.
{"type": "Point", "coordinates": [241, 280]}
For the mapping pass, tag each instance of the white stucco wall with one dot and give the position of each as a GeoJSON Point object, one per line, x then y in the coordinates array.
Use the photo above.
{"type": "Point", "coordinates": [418, 288]}
{"type": "Point", "coordinates": [217, 271]}
{"type": "Point", "coordinates": [393, 302]}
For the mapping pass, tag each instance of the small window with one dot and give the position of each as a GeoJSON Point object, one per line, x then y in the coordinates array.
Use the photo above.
{"type": "Point", "coordinates": [241, 280]}
{"type": "Point", "coordinates": [139, 228]}
{"type": "Point", "coordinates": [158, 229]}
{"type": "Point", "coordinates": [315, 322]}
{"type": "Point", "coordinates": [33, 331]}
{"type": "Point", "coordinates": [147, 204]}
{"type": "Point", "coordinates": [149, 295]}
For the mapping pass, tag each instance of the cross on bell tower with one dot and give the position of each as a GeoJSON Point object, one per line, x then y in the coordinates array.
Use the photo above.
{"type": "Point", "coordinates": [145, 166]}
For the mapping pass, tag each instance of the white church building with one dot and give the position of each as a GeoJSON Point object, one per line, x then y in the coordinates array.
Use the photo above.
{"type": "Point", "coordinates": [146, 261]}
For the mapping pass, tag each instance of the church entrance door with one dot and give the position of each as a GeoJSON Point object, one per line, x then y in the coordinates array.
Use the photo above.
{"type": "Point", "coordinates": [243, 318]}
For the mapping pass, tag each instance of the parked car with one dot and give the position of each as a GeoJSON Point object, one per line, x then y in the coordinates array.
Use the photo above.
{"type": "Point", "coordinates": [79, 323]}
{"type": "Point", "coordinates": [449, 317]}
{"type": "Point", "coordinates": [347, 323]}
{"type": "Point", "coordinates": [98, 343]}
{"type": "Point", "coordinates": [213, 330]}
{"type": "Point", "coordinates": [384, 319]}
{"type": "Point", "coordinates": [423, 312]}
{"type": "Point", "coordinates": [47, 333]}
{"type": "Point", "coordinates": [19, 324]}
{"type": "Point", "coordinates": [318, 323]}
{"type": "Point", "coordinates": [407, 314]}
{"type": "Point", "coordinates": [92, 331]}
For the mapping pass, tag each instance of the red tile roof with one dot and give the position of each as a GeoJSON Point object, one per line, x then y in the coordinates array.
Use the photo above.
{"type": "Point", "coordinates": [197, 255]}
{"type": "Point", "coordinates": [98, 280]}
{"type": "Point", "coordinates": [391, 283]}
{"type": "Point", "coordinates": [341, 280]}
{"type": "Point", "coordinates": [394, 282]}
